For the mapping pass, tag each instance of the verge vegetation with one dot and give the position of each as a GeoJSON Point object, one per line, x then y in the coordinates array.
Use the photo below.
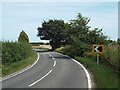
{"type": "Point", "coordinates": [17, 55]}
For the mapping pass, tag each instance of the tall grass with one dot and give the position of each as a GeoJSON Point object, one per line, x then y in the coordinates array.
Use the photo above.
{"type": "Point", "coordinates": [104, 76]}
{"type": "Point", "coordinates": [109, 57]}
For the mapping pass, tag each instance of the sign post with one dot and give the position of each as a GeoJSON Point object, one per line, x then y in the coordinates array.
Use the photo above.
{"type": "Point", "coordinates": [98, 49]}
{"type": "Point", "coordinates": [97, 58]}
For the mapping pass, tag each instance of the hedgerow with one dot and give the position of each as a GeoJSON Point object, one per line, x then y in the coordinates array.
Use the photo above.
{"type": "Point", "coordinates": [15, 51]}
{"type": "Point", "coordinates": [110, 56]}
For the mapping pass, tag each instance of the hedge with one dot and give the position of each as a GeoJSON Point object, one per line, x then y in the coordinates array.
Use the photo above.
{"type": "Point", "coordinates": [15, 51]}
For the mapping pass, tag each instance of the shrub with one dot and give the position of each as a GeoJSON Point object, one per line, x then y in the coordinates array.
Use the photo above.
{"type": "Point", "coordinates": [69, 50]}
{"type": "Point", "coordinates": [110, 56]}
{"type": "Point", "coordinates": [15, 51]}
{"type": "Point", "coordinates": [23, 37]}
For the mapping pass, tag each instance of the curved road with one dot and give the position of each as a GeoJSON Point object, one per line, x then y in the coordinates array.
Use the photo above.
{"type": "Point", "coordinates": [53, 70]}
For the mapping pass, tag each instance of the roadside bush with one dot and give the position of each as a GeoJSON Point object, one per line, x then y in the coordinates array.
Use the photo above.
{"type": "Point", "coordinates": [69, 50]}
{"type": "Point", "coordinates": [110, 56]}
{"type": "Point", "coordinates": [15, 51]}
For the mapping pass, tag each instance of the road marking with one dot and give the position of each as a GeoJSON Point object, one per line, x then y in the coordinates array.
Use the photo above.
{"type": "Point", "coordinates": [40, 79]}
{"type": "Point", "coordinates": [51, 55]}
{"type": "Point", "coordinates": [86, 72]}
{"type": "Point", "coordinates": [54, 64]}
{"type": "Point", "coordinates": [21, 71]}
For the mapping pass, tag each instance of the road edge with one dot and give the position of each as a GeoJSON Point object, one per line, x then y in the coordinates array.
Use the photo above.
{"type": "Point", "coordinates": [21, 71]}
{"type": "Point", "coordinates": [86, 71]}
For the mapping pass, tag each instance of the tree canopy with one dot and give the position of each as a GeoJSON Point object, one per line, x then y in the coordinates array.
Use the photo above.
{"type": "Point", "coordinates": [23, 37]}
{"type": "Point", "coordinates": [76, 33]}
{"type": "Point", "coordinates": [52, 30]}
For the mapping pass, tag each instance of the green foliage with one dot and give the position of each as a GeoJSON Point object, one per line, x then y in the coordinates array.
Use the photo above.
{"type": "Point", "coordinates": [104, 76]}
{"type": "Point", "coordinates": [76, 33]}
{"type": "Point", "coordinates": [81, 37]}
{"type": "Point", "coordinates": [23, 37]}
{"type": "Point", "coordinates": [96, 37]}
{"type": "Point", "coordinates": [52, 30]}
{"type": "Point", "coordinates": [68, 50]}
{"type": "Point", "coordinates": [110, 56]}
{"type": "Point", "coordinates": [16, 66]}
{"type": "Point", "coordinates": [15, 51]}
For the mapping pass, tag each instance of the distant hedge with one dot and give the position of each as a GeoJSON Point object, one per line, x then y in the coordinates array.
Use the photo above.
{"type": "Point", "coordinates": [15, 51]}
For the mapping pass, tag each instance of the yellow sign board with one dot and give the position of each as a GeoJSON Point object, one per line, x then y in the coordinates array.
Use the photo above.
{"type": "Point", "coordinates": [98, 48]}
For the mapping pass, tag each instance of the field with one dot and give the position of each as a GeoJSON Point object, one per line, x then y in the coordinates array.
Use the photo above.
{"type": "Point", "coordinates": [42, 47]}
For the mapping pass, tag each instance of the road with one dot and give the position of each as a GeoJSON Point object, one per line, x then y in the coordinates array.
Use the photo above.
{"type": "Point", "coordinates": [53, 70]}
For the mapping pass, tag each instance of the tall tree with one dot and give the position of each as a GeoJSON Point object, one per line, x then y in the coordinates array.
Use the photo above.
{"type": "Point", "coordinates": [23, 37]}
{"type": "Point", "coordinates": [77, 33]}
{"type": "Point", "coordinates": [81, 37]}
{"type": "Point", "coordinates": [52, 30]}
{"type": "Point", "coordinates": [96, 37]}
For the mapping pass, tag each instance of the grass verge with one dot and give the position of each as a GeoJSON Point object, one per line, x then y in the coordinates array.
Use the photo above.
{"type": "Point", "coordinates": [105, 77]}
{"type": "Point", "coordinates": [9, 69]}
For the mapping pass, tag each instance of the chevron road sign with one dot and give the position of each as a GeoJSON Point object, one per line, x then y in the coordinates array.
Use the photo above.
{"type": "Point", "coordinates": [98, 48]}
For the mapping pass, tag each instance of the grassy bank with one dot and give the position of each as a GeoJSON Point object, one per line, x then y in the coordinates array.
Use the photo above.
{"type": "Point", "coordinates": [104, 75]}
{"type": "Point", "coordinates": [16, 66]}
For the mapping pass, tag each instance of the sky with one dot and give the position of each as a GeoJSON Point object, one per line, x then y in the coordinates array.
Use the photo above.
{"type": "Point", "coordinates": [28, 16]}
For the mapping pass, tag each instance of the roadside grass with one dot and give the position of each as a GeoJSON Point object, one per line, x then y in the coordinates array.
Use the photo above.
{"type": "Point", "coordinates": [13, 67]}
{"type": "Point", "coordinates": [105, 77]}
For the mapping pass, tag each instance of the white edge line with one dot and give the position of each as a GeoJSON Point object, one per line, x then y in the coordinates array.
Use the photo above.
{"type": "Point", "coordinates": [86, 72]}
{"type": "Point", "coordinates": [21, 71]}
{"type": "Point", "coordinates": [40, 79]}
{"type": "Point", "coordinates": [54, 64]}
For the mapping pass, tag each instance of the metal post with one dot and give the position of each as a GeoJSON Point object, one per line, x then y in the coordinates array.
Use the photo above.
{"type": "Point", "coordinates": [97, 58]}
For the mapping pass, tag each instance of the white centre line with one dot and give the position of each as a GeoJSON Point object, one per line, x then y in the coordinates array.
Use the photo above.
{"type": "Point", "coordinates": [54, 63]}
{"type": "Point", "coordinates": [40, 79]}
{"type": "Point", "coordinates": [51, 55]}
